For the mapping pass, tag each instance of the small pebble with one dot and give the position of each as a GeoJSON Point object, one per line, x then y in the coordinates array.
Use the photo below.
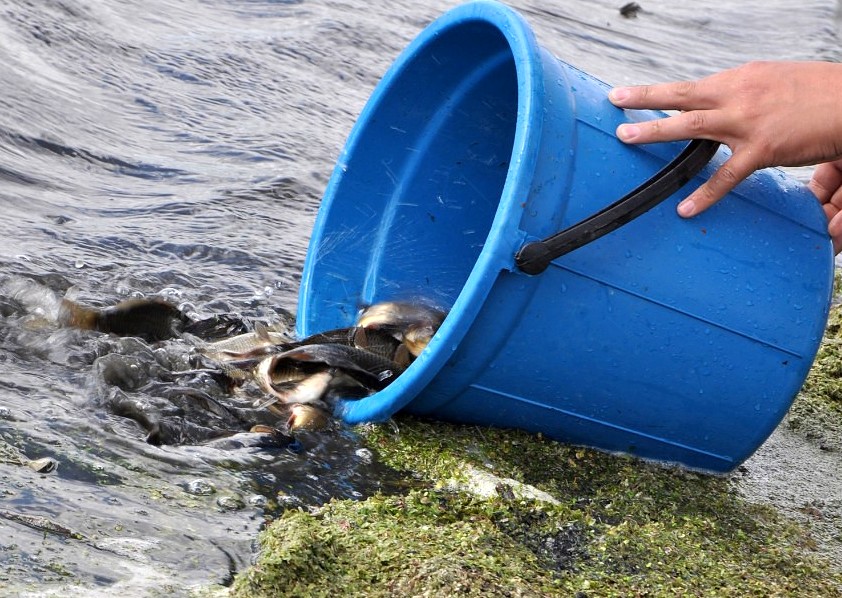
{"type": "Point", "coordinates": [258, 500]}
{"type": "Point", "coordinates": [285, 500]}
{"type": "Point", "coordinates": [230, 503]}
{"type": "Point", "coordinates": [43, 465]}
{"type": "Point", "coordinates": [200, 487]}
{"type": "Point", "coordinates": [630, 10]}
{"type": "Point", "coordinates": [364, 455]}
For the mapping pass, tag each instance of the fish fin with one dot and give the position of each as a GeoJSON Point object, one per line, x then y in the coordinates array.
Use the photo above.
{"type": "Point", "coordinates": [262, 332]}
{"type": "Point", "coordinates": [402, 356]}
{"type": "Point", "coordinates": [360, 338]}
{"type": "Point", "coordinates": [199, 344]}
{"type": "Point", "coordinates": [262, 429]}
{"type": "Point", "coordinates": [264, 404]}
{"type": "Point", "coordinates": [303, 353]}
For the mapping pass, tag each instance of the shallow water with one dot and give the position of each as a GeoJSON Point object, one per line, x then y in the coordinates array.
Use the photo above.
{"type": "Point", "coordinates": [180, 149]}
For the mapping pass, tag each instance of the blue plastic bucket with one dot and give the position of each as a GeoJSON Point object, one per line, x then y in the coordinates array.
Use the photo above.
{"type": "Point", "coordinates": [676, 340]}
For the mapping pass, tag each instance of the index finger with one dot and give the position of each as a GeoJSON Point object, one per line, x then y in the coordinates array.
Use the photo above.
{"type": "Point", "coordinates": [679, 95]}
{"type": "Point", "coordinates": [734, 170]}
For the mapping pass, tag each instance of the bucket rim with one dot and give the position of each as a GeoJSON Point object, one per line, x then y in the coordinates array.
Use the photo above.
{"type": "Point", "coordinates": [504, 236]}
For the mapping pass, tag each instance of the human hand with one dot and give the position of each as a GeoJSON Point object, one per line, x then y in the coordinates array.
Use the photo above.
{"type": "Point", "coordinates": [826, 184]}
{"type": "Point", "coordinates": [768, 113]}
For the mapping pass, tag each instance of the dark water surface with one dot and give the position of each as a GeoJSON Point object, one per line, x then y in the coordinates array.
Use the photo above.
{"type": "Point", "coordinates": [180, 148]}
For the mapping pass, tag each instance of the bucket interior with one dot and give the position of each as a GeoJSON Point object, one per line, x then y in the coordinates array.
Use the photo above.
{"type": "Point", "coordinates": [413, 198]}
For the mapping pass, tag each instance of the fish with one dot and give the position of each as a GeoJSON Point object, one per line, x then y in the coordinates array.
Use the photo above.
{"type": "Point", "coordinates": [412, 324]}
{"type": "Point", "coordinates": [320, 384]}
{"type": "Point", "coordinates": [156, 319]}
{"type": "Point", "coordinates": [260, 343]}
{"type": "Point", "coordinates": [301, 416]}
{"type": "Point", "coordinates": [219, 326]}
{"type": "Point", "coordinates": [300, 379]}
{"type": "Point", "coordinates": [368, 368]}
{"type": "Point", "coordinates": [398, 316]}
{"type": "Point", "coordinates": [305, 389]}
{"type": "Point", "coordinates": [271, 372]}
{"type": "Point", "coordinates": [383, 346]}
{"type": "Point", "coordinates": [310, 378]}
{"type": "Point", "coordinates": [417, 337]}
{"type": "Point", "coordinates": [151, 319]}
{"type": "Point", "coordinates": [307, 417]}
{"type": "Point", "coordinates": [244, 345]}
{"type": "Point", "coordinates": [258, 436]}
{"type": "Point", "coordinates": [380, 343]}
{"type": "Point", "coordinates": [350, 363]}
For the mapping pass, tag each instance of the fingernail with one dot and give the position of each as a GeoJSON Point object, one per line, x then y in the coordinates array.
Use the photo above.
{"type": "Point", "coordinates": [627, 132]}
{"type": "Point", "coordinates": [686, 208]}
{"type": "Point", "coordinates": [618, 94]}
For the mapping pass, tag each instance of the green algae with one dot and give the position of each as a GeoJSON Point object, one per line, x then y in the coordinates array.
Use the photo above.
{"type": "Point", "coordinates": [618, 527]}
{"type": "Point", "coordinates": [824, 383]}
{"type": "Point", "coordinates": [817, 413]}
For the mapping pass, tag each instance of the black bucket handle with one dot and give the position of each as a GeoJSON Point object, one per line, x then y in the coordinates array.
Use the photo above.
{"type": "Point", "coordinates": [535, 256]}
